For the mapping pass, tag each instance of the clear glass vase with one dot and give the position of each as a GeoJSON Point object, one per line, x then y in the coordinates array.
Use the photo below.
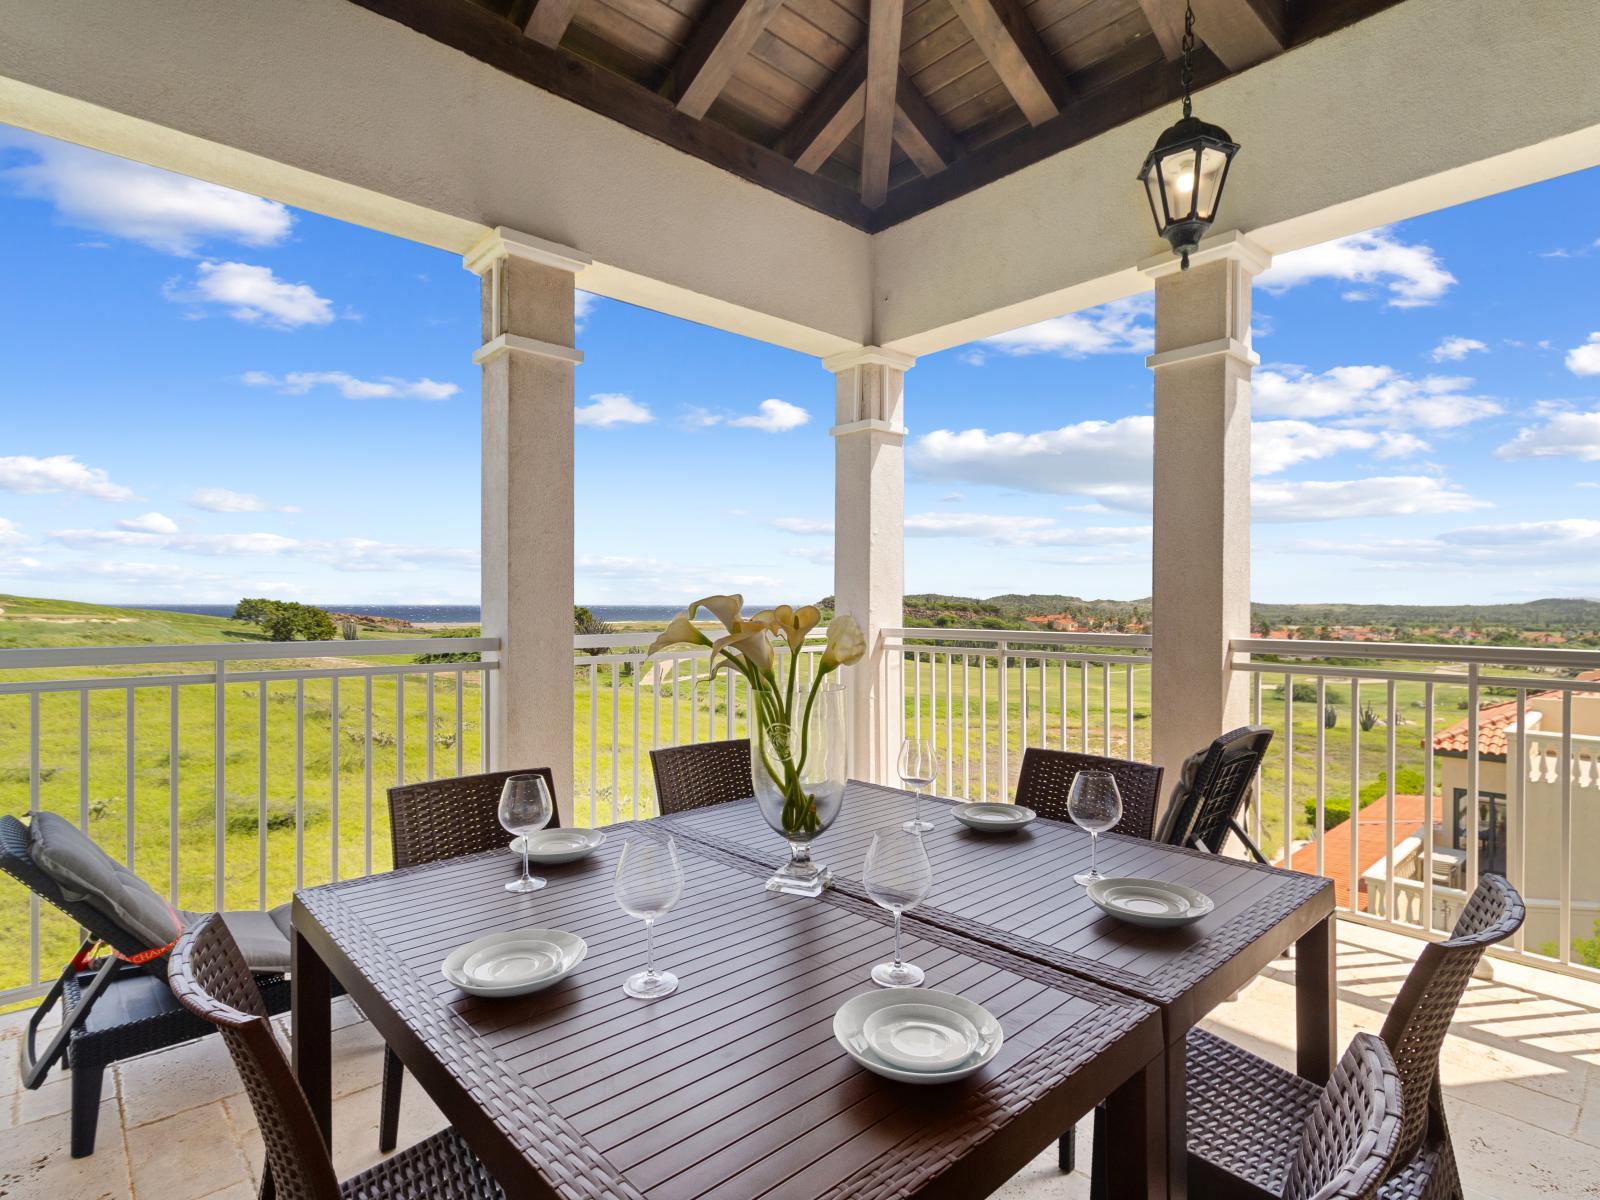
{"type": "Point", "coordinates": [799, 777]}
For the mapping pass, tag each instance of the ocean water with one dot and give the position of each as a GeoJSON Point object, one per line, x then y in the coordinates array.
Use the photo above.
{"type": "Point", "coordinates": [450, 614]}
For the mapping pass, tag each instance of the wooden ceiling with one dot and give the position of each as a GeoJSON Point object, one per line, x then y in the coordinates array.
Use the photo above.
{"type": "Point", "coordinates": [870, 110]}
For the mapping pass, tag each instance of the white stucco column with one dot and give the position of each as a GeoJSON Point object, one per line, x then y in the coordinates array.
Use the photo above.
{"type": "Point", "coordinates": [528, 360]}
{"type": "Point", "coordinates": [1201, 553]}
{"type": "Point", "coordinates": [869, 540]}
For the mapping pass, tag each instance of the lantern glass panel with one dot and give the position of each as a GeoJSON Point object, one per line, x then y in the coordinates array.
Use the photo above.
{"type": "Point", "coordinates": [1213, 166]}
{"type": "Point", "coordinates": [1178, 177]}
{"type": "Point", "coordinates": [1152, 187]}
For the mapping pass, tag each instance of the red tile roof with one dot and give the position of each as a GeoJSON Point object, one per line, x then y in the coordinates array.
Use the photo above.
{"type": "Point", "coordinates": [1409, 812]}
{"type": "Point", "coordinates": [1492, 725]}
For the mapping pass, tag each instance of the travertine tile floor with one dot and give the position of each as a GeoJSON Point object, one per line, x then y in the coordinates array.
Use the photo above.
{"type": "Point", "coordinates": [1521, 1074]}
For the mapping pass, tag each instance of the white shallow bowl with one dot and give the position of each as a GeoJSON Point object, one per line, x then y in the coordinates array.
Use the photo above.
{"type": "Point", "coordinates": [848, 1025]}
{"type": "Point", "coordinates": [507, 962]}
{"type": "Point", "coordinates": [554, 846]}
{"type": "Point", "coordinates": [920, 1037]}
{"type": "Point", "coordinates": [1153, 902]}
{"type": "Point", "coordinates": [512, 943]}
{"type": "Point", "coordinates": [993, 818]}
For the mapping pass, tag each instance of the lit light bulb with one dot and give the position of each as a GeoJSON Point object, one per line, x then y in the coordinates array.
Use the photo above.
{"type": "Point", "coordinates": [1186, 182]}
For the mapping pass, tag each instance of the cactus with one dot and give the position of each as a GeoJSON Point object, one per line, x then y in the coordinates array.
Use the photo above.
{"type": "Point", "coordinates": [1368, 718]}
{"type": "Point", "coordinates": [1330, 716]}
{"type": "Point", "coordinates": [349, 630]}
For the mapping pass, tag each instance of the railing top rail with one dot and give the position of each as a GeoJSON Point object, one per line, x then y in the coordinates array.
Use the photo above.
{"type": "Point", "coordinates": [1029, 637]}
{"type": "Point", "coordinates": [1499, 656]}
{"type": "Point", "coordinates": [610, 641]}
{"type": "Point", "coordinates": [110, 656]}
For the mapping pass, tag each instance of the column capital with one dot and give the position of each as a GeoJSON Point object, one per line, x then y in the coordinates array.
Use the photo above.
{"type": "Point", "coordinates": [1231, 347]}
{"type": "Point", "coordinates": [884, 429]}
{"type": "Point", "coordinates": [1232, 245]}
{"type": "Point", "coordinates": [866, 356]}
{"type": "Point", "coordinates": [501, 242]}
{"type": "Point", "coordinates": [508, 343]}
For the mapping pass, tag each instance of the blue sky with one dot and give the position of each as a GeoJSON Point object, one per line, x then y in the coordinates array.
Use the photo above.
{"type": "Point", "coordinates": [209, 395]}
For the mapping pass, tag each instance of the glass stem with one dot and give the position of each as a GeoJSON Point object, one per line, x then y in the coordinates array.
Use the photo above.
{"type": "Point", "coordinates": [1094, 853]}
{"type": "Point", "coordinates": [525, 874]}
{"type": "Point", "coordinates": [897, 937]}
{"type": "Point", "coordinates": [649, 946]}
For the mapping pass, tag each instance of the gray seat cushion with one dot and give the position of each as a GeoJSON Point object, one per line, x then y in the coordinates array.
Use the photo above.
{"type": "Point", "coordinates": [85, 872]}
{"type": "Point", "coordinates": [263, 937]}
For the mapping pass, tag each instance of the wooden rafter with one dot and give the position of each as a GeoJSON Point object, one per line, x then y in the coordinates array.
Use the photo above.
{"type": "Point", "coordinates": [1005, 33]}
{"type": "Point", "coordinates": [720, 42]}
{"type": "Point", "coordinates": [837, 109]}
{"type": "Point", "coordinates": [921, 132]}
{"type": "Point", "coordinates": [550, 19]}
{"type": "Point", "coordinates": [1242, 32]}
{"type": "Point", "coordinates": [1166, 22]}
{"type": "Point", "coordinates": [883, 79]}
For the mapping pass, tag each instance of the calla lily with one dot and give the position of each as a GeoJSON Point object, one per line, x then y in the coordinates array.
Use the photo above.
{"type": "Point", "coordinates": [846, 643]}
{"type": "Point", "coordinates": [792, 624]}
{"type": "Point", "coordinates": [680, 631]}
{"type": "Point", "coordinates": [724, 608]}
{"type": "Point", "coordinates": [748, 638]}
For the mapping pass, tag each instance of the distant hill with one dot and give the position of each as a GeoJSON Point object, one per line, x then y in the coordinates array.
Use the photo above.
{"type": "Point", "coordinates": [30, 622]}
{"type": "Point", "coordinates": [1552, 614]}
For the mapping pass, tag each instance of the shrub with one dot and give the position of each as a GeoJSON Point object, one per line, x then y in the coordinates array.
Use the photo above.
{"type": "Point", "coordinates": [1408, 781]}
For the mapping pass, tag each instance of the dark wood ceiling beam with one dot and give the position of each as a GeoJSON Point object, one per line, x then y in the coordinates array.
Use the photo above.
{"type": "Point", "coordinates": [548, 24]}
{"type": "Point", "coordinates": [921, 131]}
{"type": "Point", "coordinates": [1005, 33]}
{"type": "Point", "coordinates": [479, 33]}
{"type": "Point", "coordinates": [1242, 32]}
{"type": "Point", "coordinates": [883, 79]}
{"type": "Point", "coordinates": [1166, 22]}
{"type": "Point", "coordinates": [836, 110]}
{"type": "Point", "coordinates": [719, 43]}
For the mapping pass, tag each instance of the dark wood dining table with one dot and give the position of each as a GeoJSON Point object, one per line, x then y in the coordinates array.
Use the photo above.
{"type": "Point", "coordinates": [733, 1087]}
{"type": "Point", "coordinates": [1016, 891]}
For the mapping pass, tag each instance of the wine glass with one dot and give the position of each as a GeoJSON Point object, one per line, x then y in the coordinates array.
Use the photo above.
{"type": "Point", "coordinates": [919, 767]}
{"type": "Point", "coordinates": [1095, 805]}
{"type": "Point", "coordinates": [649, 882]}
{"type": "Point", "coordinates": [897, 876]}
{"type": "Point", "coordinates": [525, 808]}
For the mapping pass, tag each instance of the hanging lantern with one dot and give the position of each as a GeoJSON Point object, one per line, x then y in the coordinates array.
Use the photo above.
{"type": "Point", "coordinates": [1184, 174]}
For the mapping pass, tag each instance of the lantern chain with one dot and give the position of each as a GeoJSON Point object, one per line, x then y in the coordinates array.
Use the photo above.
{"type": "Point", "coordinates": [1187, 75]}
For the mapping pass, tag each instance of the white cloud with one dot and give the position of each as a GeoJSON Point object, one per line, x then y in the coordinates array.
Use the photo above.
{"type": "Point", "coordinates": [1410, 274]}
{"type": "Point", "coordinates": [816, 554]}
{"type": "Point", "coordinates": [1121, 327]}
{"type": "Point", "coordinates": [980, 525]}
{"type": "Point", "coordinates": [1563, 435]}
{"type": "Point", "coordinates": [802, 525]}
{"type": "Point", "coordinates": [606, 409]}
{"type": "Point", "coordinates": [1369, 395]}
{"type": "Point", "coordinates": [1454, 349]}
{"type": "Point", "coordinates": [1275, 446]}
{"type": "Point", "coordinates": [222, 500]}
{"type": "Point", "coordinates": [11, 533]}
{"type": "Point", "coordinates": [583, 305]}
{"type": "Point", "coordinates": [298, 383]}
{"type": "Point", "coordinates": [1585, 359]}
{"type": "Point", "coordinates": [107, 537]}
{"type": "Point", "coordinates": [633, 577]}
{"type": "Point", "coordinates": [1344, 499]}
{"type": "Point", "coordinates": [58, 473]}
{"type": "Point", "coordinates": [775, 416]}
{"type": "Point", "coordinates": [1560, 543]}
{"type": "Point", "coordinates": [151, 522]}
{"type": "Point", "coordinates": [1103, 459]}
{"type": "Point", "coordinates": [156, 208]}
{"type": "Point", "coordinates": [254, 295]}
{"type": "Point", "coordinates": [344, 554]}
{"type": "Point", "coordinates": [697, 417]}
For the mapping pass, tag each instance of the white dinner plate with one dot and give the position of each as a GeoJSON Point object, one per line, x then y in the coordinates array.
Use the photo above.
{"type": "Point", "coordinates": [554, 846]}
{"type": "Point", "coordinates": [993, 818]}
{"type": "Point", "coordinates": [507, 962]}
{"type": "Point", "coordinates": [920, 1037]}
{"type": "Point", "coordinates": [853, 1013]}
{"type": "Point", "coordinates": [513, 943]}
{"type": "Point", "coordinates": [1152, 902]}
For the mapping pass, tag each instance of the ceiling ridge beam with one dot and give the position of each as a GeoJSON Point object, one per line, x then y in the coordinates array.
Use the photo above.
{"type": "Point", "coordinates": [1242, 32]}
{"type": "Point", "coordinates": [548, 24]}
{"type": "Point", "coordinates": [921, 131]}
{"type": "Point", "coordinates": [884, 20]}
{"type": "Point", "coordinates": [837, 109]}
{"type": "Point", "coordinates": [1006, 35]}
{"type": "Point", "coordinates": [720, 42]}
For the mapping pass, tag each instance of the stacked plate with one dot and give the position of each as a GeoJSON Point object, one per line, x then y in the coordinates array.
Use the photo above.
{"type": "Point", "coordinates": [514, 962]}
{"type": "Point", "coordinates": [555, 846]}
{"type": "Point", "coordinates": [935, 1038]}
{"type": "Point", "coordinates": [1152, 902]}
{"type": "Point", "coordinates": [993, 818]}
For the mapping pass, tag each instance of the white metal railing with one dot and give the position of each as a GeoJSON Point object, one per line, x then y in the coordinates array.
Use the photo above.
{"type": "Point", "coordinates": [1515, 789]}
{"type": "Point", "coordinates": [627, 705]}
{"type": "Point", "coordinates": [228, 774]}
{"type": "Point", "coordinates": [987, 695]}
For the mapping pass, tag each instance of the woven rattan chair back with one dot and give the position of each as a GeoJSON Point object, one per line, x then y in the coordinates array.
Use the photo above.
{"type": "Point", "coordinates": [446, 818]}
{"type": "Point", "coordinates": [1421, 1014]}
{"type": "Point", "coordinates": [1349, 1143]}
{"type": "Point", "coordinates": [702, 774]}
{"type": "Point", "coordinates": [1208, 796]}
{"type": "Point", "coordinates": [210, 979]}
{"type": "Point", "coordinates": [1047, 775]}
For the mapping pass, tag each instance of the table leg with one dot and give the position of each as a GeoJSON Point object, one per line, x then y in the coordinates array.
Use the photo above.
{"type": "Point", "coordinates": [1136, 1123]}
{"type": "Point", "coordinates": [312, 1037]}
{"type": "Point", "coordinates": [1316, 1003]}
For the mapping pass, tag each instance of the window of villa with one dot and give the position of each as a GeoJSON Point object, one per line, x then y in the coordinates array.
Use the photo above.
{"type": "Point", "coordinates": [1491, 828]}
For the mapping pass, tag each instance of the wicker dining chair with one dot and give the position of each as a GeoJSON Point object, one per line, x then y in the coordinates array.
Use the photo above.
{"type": "Point", "coordinates": [1047, 775]}
{"type": "Point", "coordinates": [1211, 789]}
{"type": "Point", "coordinates": [701, 774]}
{"type": "Point", "coordinates": [210, 980]}
{"type": "Point", "coordinates": [1239, 1103]}
{"type": "Point", "coordinates": [429, 822]}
